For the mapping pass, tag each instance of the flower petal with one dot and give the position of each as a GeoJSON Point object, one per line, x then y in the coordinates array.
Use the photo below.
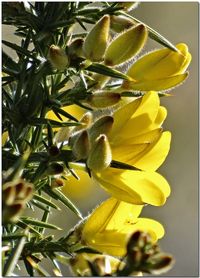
{"type": "Point", "coordinates": [160, 64]}
{"type": "Point", "coordinates": [136, 187]}
{"type": "Point", "coordinates": [155, 84]}
{"type": "Point", "coordinates": [154, 155]}
{"type": "Point", "coordinates": [109, 226]}
{"type": "Point", "coordinates": [154, 228]}
{"type": "Point", "coordinates": [135, 118]}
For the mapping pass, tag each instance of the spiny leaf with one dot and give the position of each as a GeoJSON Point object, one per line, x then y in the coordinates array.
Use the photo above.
{"type": "Point", "coordinates": [104, 70]}
{"type": "Point", "coordinates": [38, 223]}
{"type": "Point", "coordinates": [58, 195]}
{"type": "Point", "coordinates": [154, 34]}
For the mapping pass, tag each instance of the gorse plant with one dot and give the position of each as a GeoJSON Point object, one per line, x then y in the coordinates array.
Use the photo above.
{"type": "Point", "coordinates": [71, 54]}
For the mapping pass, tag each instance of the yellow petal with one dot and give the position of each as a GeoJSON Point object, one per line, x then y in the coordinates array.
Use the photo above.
{"type": "Point", "coordinates": [161, 116]}
{"type": "Point", "coordinates": [155, 154]}
{"type": "Point", "coordinates": [154, 228]}
{"type": "Point", "coordinates": [111, 214]}
{"type": "Point", "coordinates": [127, 124]}
{"type": "Point", "coordinates": [126, 153]}
{"type": "Point", "coordinates": [160, 64]}
{"type": "Point", "coordinates": [110, 225]}
{"type": "Point", "coordinates": [136, 187]}
{"type": "Point", "coordinates": [148, 137]}
{"type": "Point", "coordinates": [156, 84]}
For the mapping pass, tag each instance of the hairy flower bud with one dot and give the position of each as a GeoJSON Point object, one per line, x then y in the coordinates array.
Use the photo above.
{"type": "Point", "coordinates": [104, 265]}
{"type": "Point", "coordinates": [101, 126]}
{"type": "Point", "coordinates": [100, 155]}
{"type": "Point", "coordinates": [58, 57]}
{"type": "Point", "coordinates": [62, 134]}
{"type": "Point", "coordinates": [15, 194]}
{"type": "Point", "coordinates": [120, 23]}
{"type": "Point", "coordinates": [75, 49]}
{"type": "Point", "coordinates": [81, 145]}
{"type": "Point", "coordinates": [103, 99]}
{"type": "Point", "coordinates": [126, 45]}
{"type": "Point", "coordinates": [95, 43]}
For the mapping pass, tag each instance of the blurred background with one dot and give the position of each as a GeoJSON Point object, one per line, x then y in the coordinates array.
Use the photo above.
{"type": "Point", "coordinates": [178, 22]}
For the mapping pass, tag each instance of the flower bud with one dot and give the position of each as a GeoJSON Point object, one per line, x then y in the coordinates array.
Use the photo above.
{"type": "Point", "coordinates": [75, 49]}
{"type": "Point", "coordinates": [101, 126]}
{"type": "Point", "coordinates": [103, 264]}
{"type": "Point", "coordinates": [159, 263]}
{"type": "Point", "coordinates": [100, 80]}
{"type": "Point", "coordinates": [100, 155]}
{"type": "Point", "coordinates": [103, 99]}
{"type": "Point", "coordinates": [58, 57]}
{"type": "Point", "coordinates": [120, 23]}
{"type": "Point", "coordinates": [81, 146]}
{"type": "Point", "coordinates": [62, 134]}
{"type": "Point", "coordinates": [11, 213]}
{"type": "Point", "coordinates": [17, 190]}
{"type": "Point", "coordinates": [95, 42]}
{"type": "Point", "coordinates": [126, 45]}
{"type": "Point", "coordinates": [15, 194]}
{"type": "Point", "coordinates": [85, 122]}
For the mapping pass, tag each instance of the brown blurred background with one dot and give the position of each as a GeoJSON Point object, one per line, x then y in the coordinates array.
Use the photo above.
{"type": "Point", "coordinates": [178, 22]}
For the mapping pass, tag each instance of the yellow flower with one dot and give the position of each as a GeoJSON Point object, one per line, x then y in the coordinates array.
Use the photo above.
{"type": "Point", "coordinates": [159, 70]}
{"type": "Point", "coordinates": [136, 137]}
{"type": "Point", "coordinates": [109, 227]}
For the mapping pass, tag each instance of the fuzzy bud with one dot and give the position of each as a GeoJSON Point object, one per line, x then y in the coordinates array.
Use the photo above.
{"type": "Point", "coordinates": [81, 145]}
{"type": "Point", "coordinates": [75, 50]}
{"type": "Point", "coordinates": [58, 57]}
{"type": "Point", "coordinates": [15, 194]}
{"type": "Point", "coordinates": [101, 126]}
{"type": "Point", "coordinates": [62, 134]}
{"type": "Point", "coordinates": [120, 23]}
{"type": "Point", "coordinates": [103, 99]}
{"type": "Point", "coordinates": [159, 263]}
{"type": "Point", "coordinates": [95, 42]}
{"type": "Point", "coordinates": [126, 45]}
{"type": "Point", "coordinates": [100, 155]}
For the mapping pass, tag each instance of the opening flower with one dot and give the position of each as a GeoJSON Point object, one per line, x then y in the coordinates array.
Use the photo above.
{"type": "Point", "coordinates": [159, 70]}
{"type": "Point", "coordinates": [111, 224]}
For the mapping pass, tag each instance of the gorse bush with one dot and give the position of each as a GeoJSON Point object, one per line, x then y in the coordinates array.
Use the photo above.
{"type": "Point", "coordinates": [72, 55]}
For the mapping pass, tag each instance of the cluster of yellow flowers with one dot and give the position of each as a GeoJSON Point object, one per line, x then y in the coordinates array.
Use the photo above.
{"type": "Point", "coordinates": [124, 146]}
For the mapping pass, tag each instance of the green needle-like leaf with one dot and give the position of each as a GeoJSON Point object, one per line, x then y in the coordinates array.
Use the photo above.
{"type": "Point", "coordinates": [104, 70]}
{"type": "Point", "coordinates": [14, 256]}
{"type": "Point", "coordinates": [45, 201]}
{"type": "Point", "coordinates": [38, 223]}
{"type": "Point", "coordinates": [58, 195]}
{"type": "Point", "coordinates": [153, 34]}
